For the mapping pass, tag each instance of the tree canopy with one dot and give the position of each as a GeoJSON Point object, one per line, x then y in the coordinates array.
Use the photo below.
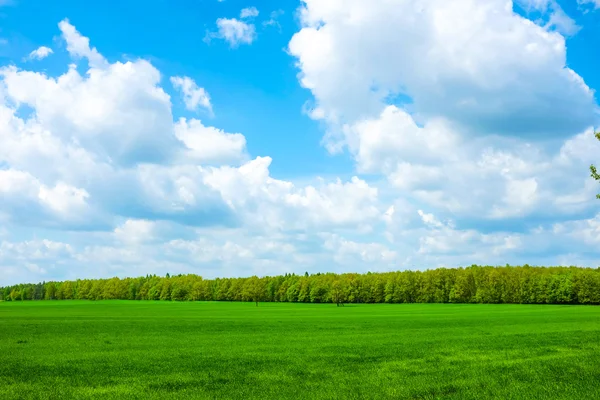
{"type": "Point", "coordinates": [474, 284]}
{"type": "Point", "coordinates": [593, 169]}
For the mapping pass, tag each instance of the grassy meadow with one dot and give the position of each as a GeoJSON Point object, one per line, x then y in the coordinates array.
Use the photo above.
{"type": "Point", "coordinates": [182, 350]}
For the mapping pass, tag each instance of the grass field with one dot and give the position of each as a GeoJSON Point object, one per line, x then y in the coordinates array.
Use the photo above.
{"type": "Point", "coordinates": [121, 349]}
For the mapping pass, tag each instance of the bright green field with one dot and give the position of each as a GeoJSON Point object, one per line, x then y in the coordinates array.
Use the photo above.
{"type": "Point", "coordinates": [164, 350]}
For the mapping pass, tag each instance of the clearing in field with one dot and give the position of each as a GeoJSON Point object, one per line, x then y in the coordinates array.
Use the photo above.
{"type": "Point", "coordinates": [108, 349]}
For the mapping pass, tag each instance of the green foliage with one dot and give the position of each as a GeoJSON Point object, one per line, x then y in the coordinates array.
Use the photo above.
{"type": "Point", "coordinates": [593, 170]}
{"type": "Point", "coordinates": [475, 284]}
{"type": "Point", "coordinates": [204, 350]}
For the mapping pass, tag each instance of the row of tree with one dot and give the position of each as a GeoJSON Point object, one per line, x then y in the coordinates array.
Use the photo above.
{"type": "Point", "coordinates": [475, 284]}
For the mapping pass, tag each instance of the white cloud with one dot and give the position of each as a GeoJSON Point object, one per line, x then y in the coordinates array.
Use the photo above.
{"type": "Point", "coordinates": [564, 24]}
{"type": "Point", "coordinates": [348, 252]}
{"type": "Point", "coordinates": [234, 32]}
{"type": "Point", "coordinates": [556, 17]}
{"type": "Point", "coordinates": [35, 249]}
{"type": "Point", "coordinates": [268, 202]}
{"type": "Point", "coordinates": [63, 198]}
{"type": "Point", "coordinates": [249, 12]}
{"type": "Point", "coordinates": [207, 144]}
{"type": "Point", "coordinates": [28, 201]}
{"type": "Point", "coordinates": [79, 46]}
{"type": "Point", "coordinates": [135, 231]}
{"type": "Point", "coordinates": [103, 147]}
{"type": "Point", "coordinates": [118, 111]}
{"type": "Point", "coordinates": [539, 5]}
{"type": "Point", "coordinates": [156, 193]}
{"type": "Point", "coordinates": [193, 96]}
{"type": "Point", "coordinates": [595, 3]}
{"type": "Point", "coordinates": [40, 53]}
{"type": "Point", "coordinates": [469, 70]}
{"type": "Point", "coordinates": [587, 231]}
{"type": "Point", "coordinates": [468, 141]}
{"type": "Point", "coordinates": [274, 18]}
{"type": "Point", "coordinates": [430, 219]}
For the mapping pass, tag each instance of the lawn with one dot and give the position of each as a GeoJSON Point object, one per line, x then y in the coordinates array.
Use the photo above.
{"type": "Point", "coordinates": [172, 350]}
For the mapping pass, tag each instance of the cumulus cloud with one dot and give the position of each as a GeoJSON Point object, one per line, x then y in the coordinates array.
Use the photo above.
{"type": "Point", "coordinates": [233, 31]}
{"type": "Point", "coordinates": [79, 46]}
{"type": "Point", "coordinates": [348, 252]}
{"type": "Point", "coordinates": [561, 22]}
{"type": "Point", "coordinates": [40, 53]}
{"type": "Point", "coordinates": [448, 128]}
{"type": "Point", "coordinates": [448, 124]}
{"type": "Point", "coordinates": [101, 152]}
{"type": "Point", "coordinates": [455, 116]}
{"type": "Point", "coordinates": [207, 144]}
{"type": "Point", "coordinates": [249, 12]}
{"type": "Point", "coordinates": [118, 112]}
{"type": "Point", "coordinates": [135, 231]}
{"type": "Point", "coordinates": [278, 204]}
{"type": "Point", "coordinates": [28, 201]}
{"type": "Point", "coordinates": [193, 96]}
{"type": "Point", "coordinates": [554, 17]}
{"type": "Point", "coordinates": [468, 70]}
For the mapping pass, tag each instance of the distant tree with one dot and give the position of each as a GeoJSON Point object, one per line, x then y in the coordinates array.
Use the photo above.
{"type": "Point", "coordinates": [50, 291]}
{"type": "Point", "coordinates": [15, 295]}
{"type": "Point", "coordinates": [337, 293]}
{"type": "Point", "coordinates": [254, 289]}
{"type": "Point", "coordinates": [165, 293]}
{"type": "Point", "coordinates": [480, 284]}
{"type": "Point", "coordinates": [593, 169]}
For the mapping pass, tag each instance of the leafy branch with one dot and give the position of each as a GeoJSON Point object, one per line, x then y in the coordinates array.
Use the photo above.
{"type": "Point", "coordinates": [593, 169]}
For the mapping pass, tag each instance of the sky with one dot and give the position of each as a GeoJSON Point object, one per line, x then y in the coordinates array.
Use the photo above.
{"type": "Point", "coordinates": [238, 138]}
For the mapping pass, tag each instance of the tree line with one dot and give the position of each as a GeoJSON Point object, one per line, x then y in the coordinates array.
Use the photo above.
{"type": "Point", "coordinates": [474, 284]}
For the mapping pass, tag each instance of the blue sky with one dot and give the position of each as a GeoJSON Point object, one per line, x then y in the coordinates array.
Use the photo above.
{"type": "Point", "coordinates": [230, 138]}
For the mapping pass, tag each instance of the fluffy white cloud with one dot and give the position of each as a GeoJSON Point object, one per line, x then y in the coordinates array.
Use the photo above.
{"type": "Point", "coordinates": [556, 18]}
{"type": "Point", "coordinates": [268, 202]}
{"type": "Point", "coordinates": [234, 32]}
{"type": "Point", "coordinates": [446, 119]}
{"type": "Point", "coordinates": [466, 83]}
{"type": "Point", "coordinates": [249, 12]}
{"type": "Point", "coordinates": [495, 72]}
{"type": "Point", "coordinates": [135, 231]}
{"type": "Point", "coordinates": [28, 201]}
{"type": "Point", "coordinates": [118, 112]}
{"type": "Point", "coordinates": [79, 46]}
{"type": "Point", "coordinates": [348, 252]}
{"type": "Point", "coordinates": [456, 113]}
{"type": "Point", "coordinates": [96, 149]}
{"type": "Point", "coordinates": [40, 53]}
{"type": "Point", "coordinates": [193, 96]}
{"type": "Point", "coordinates": [564, 24]}
{"type": "Point", "coordinates": [486, 177]}
{"type": "Point", "coordinates": [63, 198]}
{"type": "Point", "coordinates": [207, 144]}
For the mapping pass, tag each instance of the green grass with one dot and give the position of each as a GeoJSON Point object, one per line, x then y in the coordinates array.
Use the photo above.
{"type": "Point", "coordinates": [164, 350]}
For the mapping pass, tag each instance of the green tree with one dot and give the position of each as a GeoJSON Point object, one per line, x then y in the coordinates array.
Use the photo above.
{"type": "Point", "coordinates": [593, 169]}
{"type": "Point", "coordinates": [50, 291]}
{"type": "Point", "coordinates": [337, 293]}
{"type": "Point", "coordinates": [254, 289]}
{"type": "Point", "coordinates": [15, 295]}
